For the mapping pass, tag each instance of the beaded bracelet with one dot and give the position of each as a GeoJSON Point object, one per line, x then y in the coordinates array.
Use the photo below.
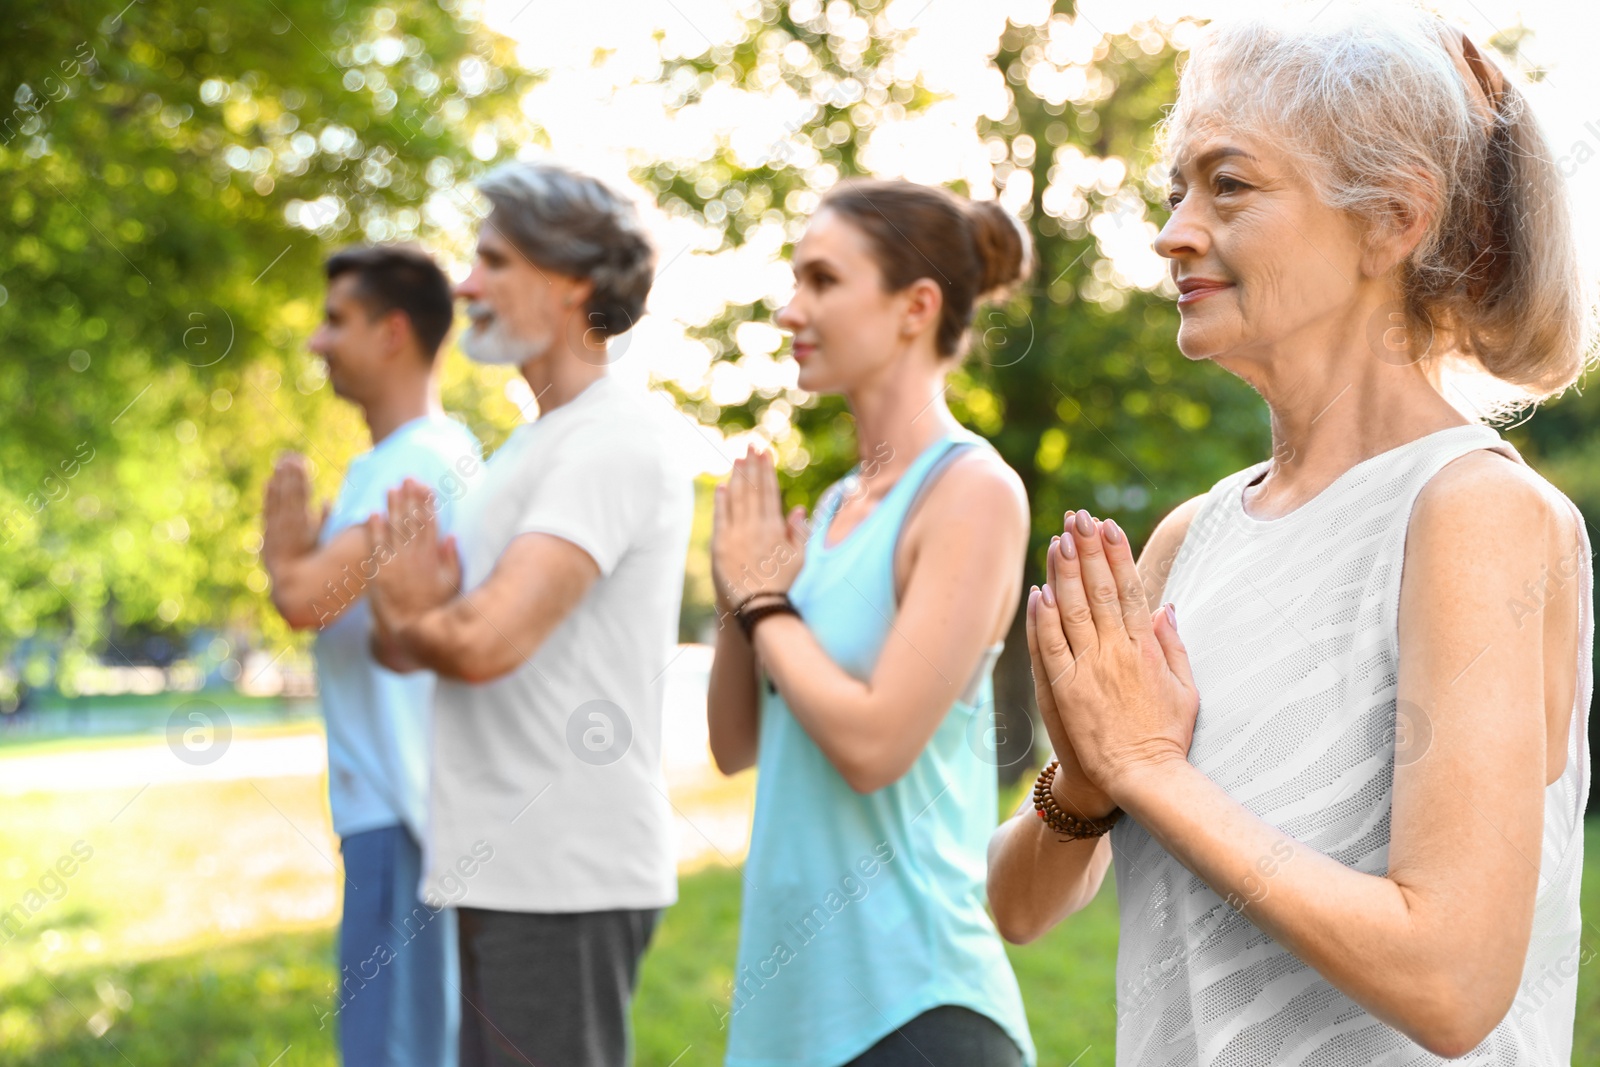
{"type": "Point", "coordinates": [1069, 826]}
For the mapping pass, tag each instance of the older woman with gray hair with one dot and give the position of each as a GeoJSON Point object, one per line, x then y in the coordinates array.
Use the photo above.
{"type": "Point", "coordinates": [1346, 804]}
{"type": "Point", "coordinates": [549, 828]}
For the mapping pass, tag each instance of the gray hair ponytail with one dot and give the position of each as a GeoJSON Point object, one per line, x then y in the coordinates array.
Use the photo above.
{"type": "Point", "coordinates": [1373, 102]}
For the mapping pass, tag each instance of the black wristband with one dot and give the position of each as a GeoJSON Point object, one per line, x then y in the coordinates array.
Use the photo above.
{"type": "Point", "coordinates": [748, 616]}
{"type": "Point", "coordinates": [753, 597]}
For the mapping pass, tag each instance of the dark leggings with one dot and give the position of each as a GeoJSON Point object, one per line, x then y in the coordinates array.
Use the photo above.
{"type": "Point", "coordinates": [946, 1036]}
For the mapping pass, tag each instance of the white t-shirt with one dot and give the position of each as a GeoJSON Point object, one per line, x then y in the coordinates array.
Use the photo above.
{"type": "Point", "coordinates": [556, 766]}
{"type": "Point", "coordinates": [377, 720]}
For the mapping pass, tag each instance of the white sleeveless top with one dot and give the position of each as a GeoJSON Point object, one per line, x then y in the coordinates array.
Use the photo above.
{"type": "Point", "coordinates": [1292, 631]}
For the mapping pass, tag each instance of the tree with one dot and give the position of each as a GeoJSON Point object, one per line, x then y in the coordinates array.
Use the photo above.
{"type": "Point", "coordinates": [173, 178]}
{"type": "Point", "coordinates": [1077, 382]}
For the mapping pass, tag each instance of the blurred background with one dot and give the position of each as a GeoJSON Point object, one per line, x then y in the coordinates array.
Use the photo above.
{"type": "Point", "coordinates": [171, 178]}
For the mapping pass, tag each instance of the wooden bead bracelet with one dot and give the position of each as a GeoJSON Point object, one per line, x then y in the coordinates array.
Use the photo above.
{"type": "Point", "coordinates": [1069, 826]}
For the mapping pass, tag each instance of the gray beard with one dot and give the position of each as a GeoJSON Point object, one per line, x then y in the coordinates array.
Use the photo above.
{"type": "Point", "coordinates": [495, 345]}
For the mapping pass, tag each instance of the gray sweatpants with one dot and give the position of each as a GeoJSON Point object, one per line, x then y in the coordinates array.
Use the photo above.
{"type": "Point", "coordinates": [551, 989]}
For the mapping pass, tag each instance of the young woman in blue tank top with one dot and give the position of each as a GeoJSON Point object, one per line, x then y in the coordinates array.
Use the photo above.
{"type": "Point", "coordinates": [863, 935]}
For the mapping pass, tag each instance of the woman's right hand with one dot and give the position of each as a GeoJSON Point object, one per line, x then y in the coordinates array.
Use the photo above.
{"type": "Point", "coordinates": [755, 548]}
{"type": "Point", "coordinates": [1073, 790]}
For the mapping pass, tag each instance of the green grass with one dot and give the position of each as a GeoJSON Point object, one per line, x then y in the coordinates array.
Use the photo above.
{"type": "Point", "coordinates": [1067, 979]}
{"type": "Point", "coordinates": [240, 1004]}
{"type": "Point", "coordinates": [247, 1002]}
{"type": "Point", "coordinates": [200, 932]}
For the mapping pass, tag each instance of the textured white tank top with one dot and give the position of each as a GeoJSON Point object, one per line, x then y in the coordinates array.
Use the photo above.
{"type": "Point", "coordinates": [1292, 631]}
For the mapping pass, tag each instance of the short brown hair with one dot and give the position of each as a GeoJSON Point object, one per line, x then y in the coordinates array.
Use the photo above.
{"type": "Point", "coordinates": [400, 278]}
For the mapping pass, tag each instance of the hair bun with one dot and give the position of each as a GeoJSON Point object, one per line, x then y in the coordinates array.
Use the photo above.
{"type": "Point", "coordinates": [1004, 248]}
{"type": "Point", "coordinates": [975, 251]}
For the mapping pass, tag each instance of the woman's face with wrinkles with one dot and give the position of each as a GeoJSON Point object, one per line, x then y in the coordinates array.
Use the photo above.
{"type": "Point", "coordinates": [1259, 260]}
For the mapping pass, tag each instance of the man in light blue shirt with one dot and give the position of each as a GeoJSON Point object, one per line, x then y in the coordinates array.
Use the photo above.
{"type": "Point", "coordinates": [387, 313]}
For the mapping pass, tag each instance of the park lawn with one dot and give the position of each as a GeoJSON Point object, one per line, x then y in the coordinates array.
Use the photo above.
{"type": "Point", "coordinates": [200, 932]}
{"type": "Point", "coordinates": [17, 748]}
{"type": "Point", "coordinates": [61, 725]}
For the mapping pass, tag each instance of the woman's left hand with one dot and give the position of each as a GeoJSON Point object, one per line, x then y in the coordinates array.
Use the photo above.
{"type": "Point", "coordinates": [754, 548]}
{"type": "Point", "coordinates": [1124, 687]}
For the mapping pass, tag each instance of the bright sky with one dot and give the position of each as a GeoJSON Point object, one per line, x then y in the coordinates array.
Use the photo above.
{"type": "Point", "coordinates": [602, 116]}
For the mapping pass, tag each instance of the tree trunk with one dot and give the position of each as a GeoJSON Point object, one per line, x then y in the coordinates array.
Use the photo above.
{"type": "Point", "coordinates": [1017, 732]}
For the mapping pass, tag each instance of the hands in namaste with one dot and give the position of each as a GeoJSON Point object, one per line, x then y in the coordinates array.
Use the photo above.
{"type": "Point", "coordinates": [1112, 679]}
{"type": "Point", "coordinates": [755, 548]}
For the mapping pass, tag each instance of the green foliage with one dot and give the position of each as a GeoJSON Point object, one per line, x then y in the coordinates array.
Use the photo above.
{"type": "Point", "coordinates": [173, 177]}
{"type": "Point", "coordinates": [1102, 412]}
{"type": "Point", "coordinates": [849, 89]}
{"type": "Point", "coordinates": [1076, 382]}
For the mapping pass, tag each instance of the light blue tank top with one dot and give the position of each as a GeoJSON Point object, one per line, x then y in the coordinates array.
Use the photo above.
{"type": "Point", "coordinates": [863, 911]}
